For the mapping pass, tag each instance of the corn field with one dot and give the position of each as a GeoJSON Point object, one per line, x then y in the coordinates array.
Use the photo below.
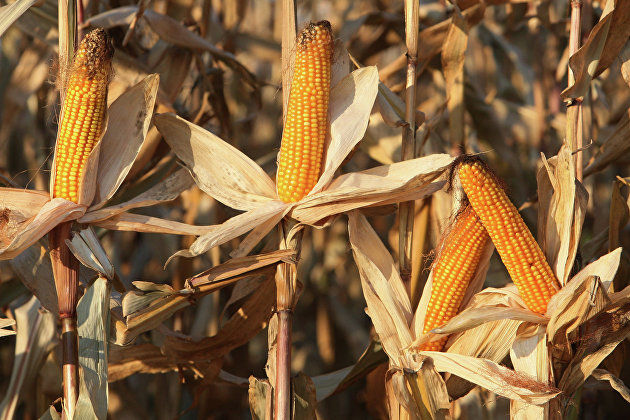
{"type": "Point", "coordinates": [280, 209]}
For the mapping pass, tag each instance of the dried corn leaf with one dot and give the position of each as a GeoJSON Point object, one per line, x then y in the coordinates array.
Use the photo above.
{"type": "Point", "coordinates": [93, 324]}
{"type": "Point", "coordinates": [429, 391]}
{"type": "Point", "coordinates": [11, 12]}
{"type": "Point", "coordinates": [233, 228]}
{"type": "Point", "coordinates": [614, 148]}
{"type": "Point", "coordinates": [616, 383]}
{"type": "Point", "coordinates": [27, 217]}
{"type": "Point", "coordinates": [35, 332]}
{"type": "Point", "coordinates": [219, 169]}
{"type": "Point", "coordinates": [585, 62]}
{"type": "Point", "coordinates": [149, 224]}
{"type": "Point", "coordinates": [166, 190]}
{"type": "Point", "coordinates": [453, 54]}
{"type": "Point", "coordinates": [4, 322]}
{"type": "Point", "coordinates": [606, 330]}
{"type": "Point", "coordinates": [529, 355]}
{"type": "Point", "coordinates": [251, 317]}
{"type": "Point", "coordinates": [34, 269]}
{"type": "Point", "coordinates": [387, 301]}
{"type": "Point", "coordinates": [351, 102]}
{"type": "Point", "coordinates": [304, 402]}
{"type": "Point", "coordinates": [496, 378]}
{"type": "Point", "coordinates": [88, 249]}
{"type": "Point", "coordinates": [128, 123]}
{"type": "Point", "coordinates": [624, 57]}
{"type": "Point", "coordinates": [392, 108]}
{"type": "Point", "coordinates": [260, 399]}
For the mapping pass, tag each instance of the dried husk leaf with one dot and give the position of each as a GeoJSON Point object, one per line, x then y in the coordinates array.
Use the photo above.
{"type": "Point", "coordinates": [167, 190]}
{"type": "Point", "coordinates": [233, 228]}
{"type": "Point", "coordinates": [219, 169]}
{"type": "Point", "coordinates": [34, 269]}
{"type": "Point", "coordinates": [154, 303]}
{"type": "Point", "coordinates": [387, 301]}
{"type": "Point", "coordinates": [304, 402]}
{"type": "Point", "coordinates": [606, 330]}
{"type": "Point", "coordinates": [453, 55]}
{"type": "Point", "coordinates": [248, 321]}
{"type": "Point", "coordinates": [4, 322]}
{"type": "Point", "coordinates": [260, 399]}
{"type": "Point", "coordinates": [11, 12]}
{"type": "Point", "coordinates": [21, 228]}
{"type": "Point", "coordinates": [565, 214]}
{"type": "Point", "coordinates": [88, 249]}
{"type": "Point", "coordinates": [93, 324]}
{"type": "Point", "coordinates": [429, 391]}
{"type": "Point", "coordinates": [35, 332]}
{"type": "Point", "coordinates": [382, 185]}
{"type": "Point", "coordinates": [351, 102]}
{"type": "Point", "coordinates": [529, 355]}
{"type": "Point", "coordinates": [392, 108]}
{"type": "Point", "coordinates": [603, 44]}
{"type": "Point", "coordinates": [616, 383]}
{"type": "Point", "coordinates": [616, 146]}
{"type": "Point", "coordinates": [141, 223]}
{"type": "Point", "coordinates": [624, 57]}
{"type": "Point", "coordinates": [129, 117]}
{"type": "Point", "coordinates": [496, 378]}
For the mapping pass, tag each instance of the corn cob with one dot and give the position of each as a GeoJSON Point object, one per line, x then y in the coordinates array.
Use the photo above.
{"type": "Point", "coordinates": [306, 123]}
{"type": "Point", "coordinates": [517, 248]}
{"type": "Point", "coordinates": [83, 112]}
{"type": "Point", "coordinates": [453, 270]}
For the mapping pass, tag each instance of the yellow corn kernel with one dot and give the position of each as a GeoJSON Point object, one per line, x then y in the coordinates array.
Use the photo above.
{"type": "Point", "coordinates": [306, 123]}
{"type": "Point", "coordinates": [515, 244]}
{"type": "Point", "coordinates": [453, 269]}
{"type": "Point", "coordinates": [83, 112]}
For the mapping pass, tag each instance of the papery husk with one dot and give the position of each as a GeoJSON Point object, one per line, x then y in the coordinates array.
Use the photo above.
{"type": "Point", "coordinates": [560, 219]}
{"type": "Point", "coordinates": [89, 251]}
{"type": "Point", "coordinates": [28, 217]}
{"type": "Point", "coordinates": [165, 191]}
{"type": "Point", "coordinates": [219, 169]}
{"type": "Point", "coordinates": [35, 333]}
{"type": "Point", "coordinates": [529, 355]}
{"type": "Point", "coordinates": [141, 223]}
{"type": "Point", "coordinates": [129, 117]}
{"type": "Point", "coordinates": [10, 13]}
{"type": "Point", "coordinates": [152, 304]}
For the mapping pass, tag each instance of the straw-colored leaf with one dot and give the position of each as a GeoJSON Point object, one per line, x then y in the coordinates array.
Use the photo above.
{"type": "Point", "coordinates": [529, 355]}
{"type": "Point", "coordinates": [4, 323]}
{"type": "Point", "coordinates": [616, 383]}
{"type": "Point", "coordinates": [392, 108]}
{"type": "Point", "coordinates": [429, 390]}
{"type": "Point", "coordinates": [260, 399]}
{"type": "Point", "coordinates": [93, 324]}
{"type": "Point", "coordinates": [473, 317]}
{"type": "Point", "coordinates": [128, 123]}
{"type": "Point", "coordinates": [11, 12]}
{"type": "Point", "coordinates": [88, 249]}
{"type": "Point", "coordinates": [304, 401]}
{"type": "Point", "coordinates": [494, 377]}
{"type": "Point", "coordinates": [34, 269]}
{"type": "Point", "coordinates": [616, 146]}
{"type": "Point", "coordinates": [141, 223]}
{"type": "Point", "coordinates": [453, 55]}
{"type": "Point", "coordinates": [351, 102]}
{"type": "Point", "coordinates": [412, 179]}
{"type": "Point", "coordinates": [35, 332]}
{"type": "Point", "coordinates": [233, 228]}
{"type": "Point", "coordinates": [585, 61]}
{"type": "Point", "coordinates": [20, 229]}
{"type": "Point", "coordinates": [385, 295]}
{"type": "Point", "coordinates": [221, 170]}
{"type": "Point", "coordinates": [167, 190]}
{"type": "Point", "coordinates": [624, 57]}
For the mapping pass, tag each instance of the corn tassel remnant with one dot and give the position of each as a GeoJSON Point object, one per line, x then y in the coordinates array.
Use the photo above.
{"type": "Point", "coordinates": [306, 123]}
{"type": "Point", "coordinates": [83, 112]}
{"type": "Point", "coordinates": [520, 253]}
{"type": "Point", "coordinates": [453, 270]}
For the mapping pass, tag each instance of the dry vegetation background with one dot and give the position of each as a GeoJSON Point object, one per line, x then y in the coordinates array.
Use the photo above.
{"type": "Point", "coordinates": [514, 71]}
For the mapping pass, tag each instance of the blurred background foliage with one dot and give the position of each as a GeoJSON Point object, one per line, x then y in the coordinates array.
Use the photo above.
{"type": "Point", "coordinates": [514, 71]}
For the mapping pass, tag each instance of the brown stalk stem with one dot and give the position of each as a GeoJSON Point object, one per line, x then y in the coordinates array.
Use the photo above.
{"type": "Point", "coordinates": [66, 275]}
{"type": "Point", "coordinates": [283, 366]}
{"type": "Point", "coordinates": [406, 210]}
{"type": "Point", "coordinates": [574, 112]}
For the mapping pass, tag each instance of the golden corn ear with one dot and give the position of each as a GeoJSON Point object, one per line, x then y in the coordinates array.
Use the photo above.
{"type": "Point", "coordinates": [306, 123]}
{"type": "Point", "coordinates": [83, 112]}
{"type": "Point", "coordinates": [453, 270]}
{"type": "Point", "coordinates": [520, 253]}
